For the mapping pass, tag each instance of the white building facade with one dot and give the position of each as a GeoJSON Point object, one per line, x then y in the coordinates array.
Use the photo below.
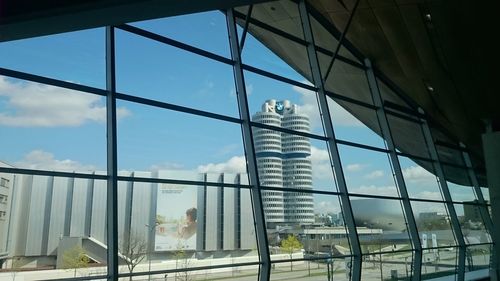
{"type": "Point", "coordinates": [284, 162]}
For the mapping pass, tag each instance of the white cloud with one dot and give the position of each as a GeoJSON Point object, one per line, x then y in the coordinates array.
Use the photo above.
{"type": "Point", "coordinates": [418, 174]}
{"type": "Point", "coordinates": [323, 207]}
{"type": "Point", "coordinates": [37, 105]}
{"type": "Point", "coordinates": [375, 174]}
{"type": "Point", "coordinates": [355, 167]}
{"type": "Point", "coordinates": [39, 159]}
{"type": "Point", "coordinates": [310, 107]}
{"type": "Point", "coordinates": [375, 190]}
{"type": "Point", "coordinates": [320, 161]}
{"type": "Point", "coordinates": [236, 164]}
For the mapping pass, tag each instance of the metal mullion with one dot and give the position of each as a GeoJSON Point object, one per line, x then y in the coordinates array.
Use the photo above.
{"type": "Point", "coordinates": [339, 57]}
{"type": "Point", "coordinates": [173, 43]}
{"type": "Point", "coordinates": [335, 96]}
{"type": "Point", "coordinates": [112, 192]}
{"type": "Point", "coordinates": [296, 39]}
{"type": "Point", "coordinates": [245, 28]}
{"type": "Point", "coordinates": [402, 109]}
{"type": "Point", "coordinates": [272, 29]}
{"type": "Point", "coordinates": [388, 111]}
{"type": "Point", "coordinates": [484, 208]}
{"type": "Point", "coordinates": [286, 131]}
{"type": "Point", "coordinates": [177, 108]}
{"type": "Point", "coordinates": [340, 40]}
{"type": "Point", "coordinates": [363, 146]}
{"type": "Point", "coordinates": [427, 200]}
{"type": "Point", "coordinates": [332, 145]}
{"type": "Point", "coordinates": [277, 77]}
{"type": "Point", "coordinates": [412, 156]}
{"type": "Point", "coordinates": [388, 252]}
{"type": "Point", "coordinates": [96, 277]}
{"type": "Point", "coordinates": [309, 191]}
{"type": "Point", "coordinates": [447, 196]}
{"type": "Point", "coordinates": [52, 82]}
{"type": "Point", "coordinates": [187, 269]}
{"type": "Point", "coordinates": [332, 29]}
{"type": "Point", "coordinates": [374, 196]}
{"type": "Point", "coordinates": [21, 171]}
{"type": "Point", "coordinates": [386, 132]}
{"type": "Point", "coordinates": [310, 259]}
{"type": "Point", "coordinates": [181, 182]}
{"type": "Point", "coordinates": [246, 128]}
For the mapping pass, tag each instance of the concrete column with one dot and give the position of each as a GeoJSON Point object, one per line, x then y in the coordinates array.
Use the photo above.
{"type": "Point", "coordinates": [491, 148]}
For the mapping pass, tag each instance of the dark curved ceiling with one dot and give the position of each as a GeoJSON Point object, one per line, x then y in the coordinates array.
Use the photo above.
{"type": "Point", "coordinates": [440, 54]}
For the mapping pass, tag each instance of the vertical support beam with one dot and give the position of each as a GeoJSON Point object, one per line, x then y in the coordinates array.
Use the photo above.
{"type": "Point", "coordinates": [488, 222]}
{"type": "Point", "coordinates": [386, 132]}
{"type": "Point", "coordinates": [491, 149]}
{"type": "Point", "coordinates": [332, 146]}
{"type": "Point", "coordinates": [112, 200]}
{"type": "Point", "coordinates": [258, 210]}
{"type": "Point", "coordinates": [455, 224]}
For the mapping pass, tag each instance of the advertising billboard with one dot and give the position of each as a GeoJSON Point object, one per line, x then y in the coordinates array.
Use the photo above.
{"type": "Point", "coordinates": [176, 217]}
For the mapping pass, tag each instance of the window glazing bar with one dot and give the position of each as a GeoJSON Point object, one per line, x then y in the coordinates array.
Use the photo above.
{"type": "Point", "coordinates": [403, 192]}
{"type": "Point", "coordinates": [341, 40]}
{"type": "Point", "coordinates": [332, 146]}
{"type": "Point", "coordinates": [245, 28]}
{"type": "Point", "coordinates": [483, 209]}
{"type": "Point", "coordinates": [258, 210]}
{"type": "Point", "coordinates": [112, 192]}
{"type": "Point", "coordinates": [455, 224]}
{"type": "Point", "coordinates": [51, 81]}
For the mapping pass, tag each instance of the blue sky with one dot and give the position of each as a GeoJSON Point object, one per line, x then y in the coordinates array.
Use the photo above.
{"type": "Point", "coordinates": [51, 128]}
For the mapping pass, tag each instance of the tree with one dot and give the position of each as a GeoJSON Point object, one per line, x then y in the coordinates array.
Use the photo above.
{"type": "Point", "coordinates": [75, 258]}
{"type": "Point", "coordinates": [134, 249]}
{"type": "Point", "coordinates": [181, 262]}
{"type": "Point", "coordinates": [290, 245]}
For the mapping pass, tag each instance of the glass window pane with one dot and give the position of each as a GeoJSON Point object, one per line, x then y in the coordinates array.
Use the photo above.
{"type": "Point", "coordinates": [274, 53]}
{"type": "Point", "coordinates": [316, 225]}
{"type": "Point", "coordinates": [408, 136]}
{"type": "Point", "coordinates": [381, 225]}
{"type": "Point", "coordinates": [450, 155]}
{"type": "Point", "coordinates": [158, 71]}
{"type": "Point", "coordinates": [317, 268]}
{"type": "Point", "coordinates": [181, 226]}
{"type": "Point", "coordinates": [433, 224]}
{"type": "Point", "coordinates": [459, 184]}
{"type": "Point", "coordinates": [367, 171]}
{"type": "Point", "coordinates": [275, 103]}
{"type": "Point", "coordinates": [44, 125]}
{"type": "Point", "coordinates": [478, 257]}
{"type": "Point", "coordinates": [53, 227]}
{"type": "Point", "coordinates": [420, 182]}
{"type": "Point", "coordinates": [486, 194]}
{"type": "Point", "coordinates": [292, 161]}
{"type": "Point", "coordinates": [325, 40]}
{"type": "Point", "coordinates": [439, 262]}
{"type": "Point", "coordinates": [355, 123]}
{"type": "Point", "coordinates": [346, 80]}
{"type": "Point", "coordinates": [389, 95]}
{"type": "Point", "coordinates": [78, 57]}
{"type": "Point", "coordinates": [389, 266]}
{"type": "Point", "coordinates": [185, 145]}
{"type": "Point", "coordinates": [472, 224]}
{"type": "Point", "coordinates": [207, 30]}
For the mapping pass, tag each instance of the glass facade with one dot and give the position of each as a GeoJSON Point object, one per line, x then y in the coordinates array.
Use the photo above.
{"type": "Point", "coordinates": [191, 148]}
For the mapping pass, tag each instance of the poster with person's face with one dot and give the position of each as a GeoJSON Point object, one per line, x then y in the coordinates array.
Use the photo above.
{"type": "Point", "coordinates": [176, 217]}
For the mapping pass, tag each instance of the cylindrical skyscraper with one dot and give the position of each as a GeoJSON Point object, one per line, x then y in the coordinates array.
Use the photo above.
{"type": "Point", "coordinates": [284, 161]}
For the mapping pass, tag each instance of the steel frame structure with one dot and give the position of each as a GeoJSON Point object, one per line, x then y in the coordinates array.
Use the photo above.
{"type": "Point", "coordinates": [382, 109]}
